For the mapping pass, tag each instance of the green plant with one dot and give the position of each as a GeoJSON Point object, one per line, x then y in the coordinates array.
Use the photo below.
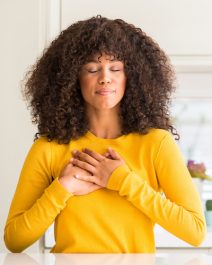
{"type": "Point", "coordinates": [208, 205]}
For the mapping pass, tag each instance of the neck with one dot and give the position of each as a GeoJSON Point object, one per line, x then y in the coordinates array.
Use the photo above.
{"type": "Point", "coordinates": [104, 124]}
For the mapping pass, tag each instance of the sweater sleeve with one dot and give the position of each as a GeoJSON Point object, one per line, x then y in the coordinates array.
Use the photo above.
{"type": "Point", "coordinates": [179, 211]}
{"type": "Point", "coordinates": [37, 200]}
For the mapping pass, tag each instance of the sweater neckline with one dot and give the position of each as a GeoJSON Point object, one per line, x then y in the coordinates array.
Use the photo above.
{"type": "Point", "coordinates": [93, 137]}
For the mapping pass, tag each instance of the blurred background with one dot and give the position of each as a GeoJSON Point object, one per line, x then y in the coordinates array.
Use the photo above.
{"type": "Point", "coordinates": [183, 30]}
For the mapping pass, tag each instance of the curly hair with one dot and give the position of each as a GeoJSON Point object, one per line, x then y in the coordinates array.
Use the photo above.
{"type": "Point", "coordinates": [52, 84]}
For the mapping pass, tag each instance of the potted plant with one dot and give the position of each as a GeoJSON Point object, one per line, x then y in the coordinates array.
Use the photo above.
{"type": "Point", "coordinates": [208, 212]}
{"type": "Point", "coordinates": [198, 173]}
{"type": "Point", "coordinates": [197, 170]}
{"type": "Point", "coordinates": [208, 205]}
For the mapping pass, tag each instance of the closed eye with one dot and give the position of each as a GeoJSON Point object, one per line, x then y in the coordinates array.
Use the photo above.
{"type": "Point", "coordinates": [92, 71]}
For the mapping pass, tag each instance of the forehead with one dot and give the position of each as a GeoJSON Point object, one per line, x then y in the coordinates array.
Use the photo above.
{"type": "Point", "coordinates": [99, 57]}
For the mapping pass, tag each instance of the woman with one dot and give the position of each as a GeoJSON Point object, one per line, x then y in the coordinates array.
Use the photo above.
{"type": "Point", "coordinates": [103, 157]}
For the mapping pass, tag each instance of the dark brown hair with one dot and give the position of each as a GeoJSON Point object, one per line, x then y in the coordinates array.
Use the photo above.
{"type": "Point", "coordinates": [52, 87]}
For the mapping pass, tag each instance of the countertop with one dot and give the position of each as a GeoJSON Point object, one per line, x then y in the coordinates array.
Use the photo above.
{"type": "Point", "coordinates": [106, 259]}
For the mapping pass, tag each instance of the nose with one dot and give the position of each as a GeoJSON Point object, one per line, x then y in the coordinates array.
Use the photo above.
{"type": "Point", "coordinates": [104, 78]}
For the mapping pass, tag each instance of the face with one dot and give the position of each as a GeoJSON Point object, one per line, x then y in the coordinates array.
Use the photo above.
{"type": "Point", "coordinates": [102, 81]}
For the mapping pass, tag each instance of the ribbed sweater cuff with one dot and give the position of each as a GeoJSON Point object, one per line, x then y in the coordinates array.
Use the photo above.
{"type": "Point", "coordinates": [58, 194]}
{"type": "Point", "coordinates": [117, 177]}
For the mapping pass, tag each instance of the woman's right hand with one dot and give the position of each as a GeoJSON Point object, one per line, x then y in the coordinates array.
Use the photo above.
{"type": "Point", "coordinates": [74, 185]}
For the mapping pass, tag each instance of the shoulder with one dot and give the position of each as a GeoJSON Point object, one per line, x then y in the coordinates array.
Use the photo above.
{"type": "Point", "coordinates": [166, 145]}
{"type": "Point", "coordinates": [44, 142]}
{"type": "Point", "coordinates": [43, 152]}
{"type": "Point", "coordinates": [154, 136]}
{"type": "Point", "coordinates": [50, 149]}
{"type": "Point", "coordinates": [43, 146]}
{"type": "Point", "coordinates": [152, 141]}
{"type": "Point", "coordinates": [158, 135]}
{"type": "Point", "coordinates": [162, 139]}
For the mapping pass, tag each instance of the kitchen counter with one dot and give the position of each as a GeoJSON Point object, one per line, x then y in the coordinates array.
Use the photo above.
{"type": "Point", "coordinates": [106, 259]}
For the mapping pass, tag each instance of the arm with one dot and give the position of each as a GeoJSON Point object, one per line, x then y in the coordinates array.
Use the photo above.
{"type": "Point", "coordinates": [180, 212]}
{"type": "Point", "coordinates": [37, 200]}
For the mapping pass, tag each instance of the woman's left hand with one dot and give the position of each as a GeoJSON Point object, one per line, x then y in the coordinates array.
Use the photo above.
{"type": "Point", "coordinates": [100, 166]}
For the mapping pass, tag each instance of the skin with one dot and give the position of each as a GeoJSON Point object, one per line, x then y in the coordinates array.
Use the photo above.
{"type": "Point", "coordinates": [102, 80]}
{"type": "Point", "coordinates": [99, 75]}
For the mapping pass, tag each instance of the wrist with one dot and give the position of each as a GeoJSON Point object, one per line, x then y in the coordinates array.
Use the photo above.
{"type": "Point", "coordinates": [66, 184]}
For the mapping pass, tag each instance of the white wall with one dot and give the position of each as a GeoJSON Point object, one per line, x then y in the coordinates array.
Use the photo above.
{"type": "Point", "coordinates": [19, 47]}
{"type": "Point", "coordinates": [181, 27]}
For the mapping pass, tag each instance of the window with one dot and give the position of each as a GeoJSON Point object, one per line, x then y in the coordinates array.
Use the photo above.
{"type": "Point", "coordinates": [193, 120]}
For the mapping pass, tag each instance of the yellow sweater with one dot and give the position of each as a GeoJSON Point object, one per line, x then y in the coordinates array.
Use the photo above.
{"type": "Point", "coordinates": [116, 219]}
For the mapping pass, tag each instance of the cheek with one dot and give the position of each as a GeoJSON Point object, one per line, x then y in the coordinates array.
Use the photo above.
{"type": "Point", "coordinates": [87, 83]}
{"type": "Point", "coordinates": [82, 82]}
{"type": "Point", "coordinates": [122, 85]}
{"type": "Point", "coordinates": [85, 94]}
{"type": "Point", "coordinates": [85, 87]}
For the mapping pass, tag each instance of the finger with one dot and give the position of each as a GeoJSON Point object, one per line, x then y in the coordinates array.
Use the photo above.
{"type": "Point", "coordinates": [114, 154]}
{"type": "Point", "coordinates": [84, 157]}
{"type": "Point", "coordinates": [95, 155]}
{"type": "Point", "coordinates": [83, 165]}
{"type": "Point", "coordinates": [95, 187]}
{"type": "Point", "coordinates": [87, 178]}
{"type": "Point", "coordinates": [107, 155]}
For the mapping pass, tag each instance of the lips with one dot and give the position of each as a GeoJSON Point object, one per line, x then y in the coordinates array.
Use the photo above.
{"type": "Point", "coordinates": [105, 91]}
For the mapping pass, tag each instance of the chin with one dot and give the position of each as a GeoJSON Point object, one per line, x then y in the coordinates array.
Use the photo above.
{"type": "Point", "coordinates": [106, 107]}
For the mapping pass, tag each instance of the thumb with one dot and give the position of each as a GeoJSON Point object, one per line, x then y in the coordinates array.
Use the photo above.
{"type": "Point", "coordinates": [113, 153]}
